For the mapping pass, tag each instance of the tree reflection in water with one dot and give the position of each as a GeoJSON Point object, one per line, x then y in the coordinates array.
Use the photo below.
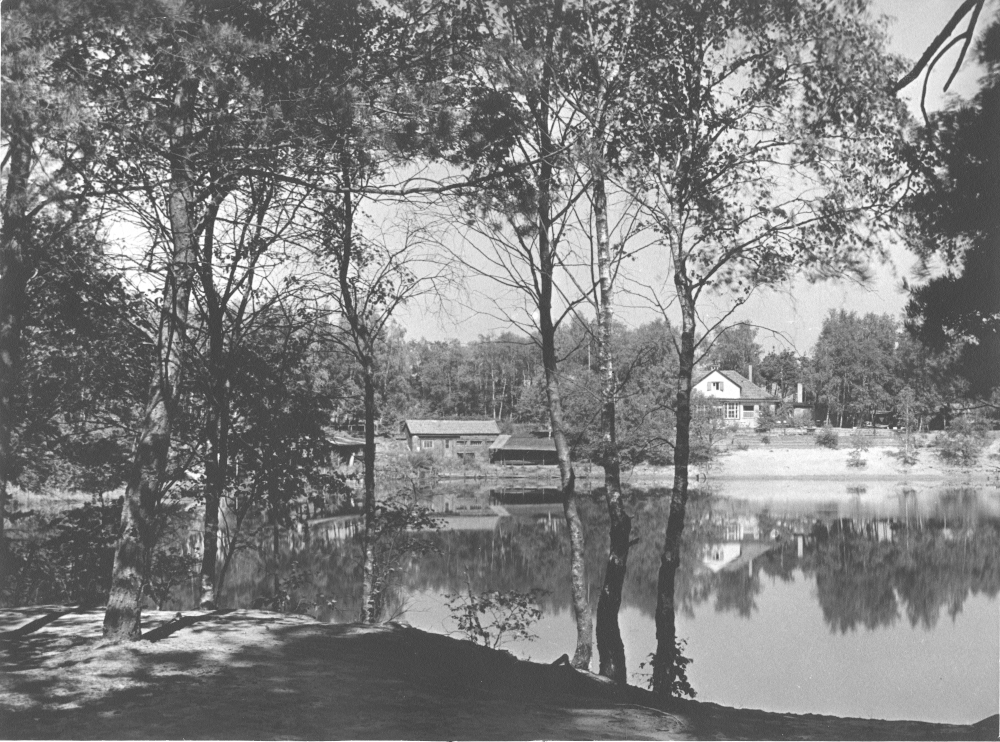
{"type": "Point", "coordinates": [868, 572]}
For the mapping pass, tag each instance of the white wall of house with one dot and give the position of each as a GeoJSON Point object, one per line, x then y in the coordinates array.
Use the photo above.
{"type": "Point", "coordinates": [717, 385]}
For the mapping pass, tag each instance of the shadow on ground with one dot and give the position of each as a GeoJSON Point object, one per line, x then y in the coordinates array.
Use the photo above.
{"type": "Point", "coordinates": [254, 675]}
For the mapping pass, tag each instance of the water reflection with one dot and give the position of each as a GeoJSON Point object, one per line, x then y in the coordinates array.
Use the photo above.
{"type": "Point", "coordinates": [828, 571]}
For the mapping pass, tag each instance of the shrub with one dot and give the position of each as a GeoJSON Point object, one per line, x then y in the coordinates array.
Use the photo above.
{"type": "Point", "coordinates": [963, 442]}
{"type": "Point", "coordinates": [681, 686]}
{"type": "Point", "coordinates": [827, 437]}
{"type": "Point", "coordinates": [854, 459]}
{"type": "Point", "coordinates": [422, 460]}
{"type": "Point", "coordinates": [493, 617]}
{"type": "Point", "coordinates": [858, 440]}
{"type": "Point", "coordinates": [766, 420]}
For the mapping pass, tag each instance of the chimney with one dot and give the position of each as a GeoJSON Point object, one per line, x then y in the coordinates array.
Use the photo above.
{"type": "Point", "coordinates": [800, 395]}
{"type": "Point", "coordinates": [750, 373]}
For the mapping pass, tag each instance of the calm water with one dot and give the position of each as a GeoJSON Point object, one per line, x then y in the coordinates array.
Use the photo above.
{"type": "Point", "coordinates": [872, 601]}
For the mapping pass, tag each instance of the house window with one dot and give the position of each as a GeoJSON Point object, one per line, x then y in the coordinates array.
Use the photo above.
{"type": "Point", "coordinates": [475, 443]}
{"type": "Point", "coordinates": [462, 443]}
{"type": "Point", "coordinates": [428, 444]}
{"type": "Point", "coordinates": [748, 410]}
{"type": "Point", "coordinates": [715, 386]}
{"type": "Point", "coordinates": [732, 411]}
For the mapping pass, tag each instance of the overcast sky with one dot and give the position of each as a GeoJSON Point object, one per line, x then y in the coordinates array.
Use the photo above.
{"type": "Point", "coordinates": [795, 314]}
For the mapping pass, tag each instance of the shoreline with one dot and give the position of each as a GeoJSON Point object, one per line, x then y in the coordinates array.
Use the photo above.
{"type": "Point", "coordinates": [255, 674]}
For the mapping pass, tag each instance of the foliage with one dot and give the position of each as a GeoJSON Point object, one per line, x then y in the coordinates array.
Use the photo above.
{"type": "Point", "coordinates": [854, 365]}
{"type": "Point", "coordinates": [422, 460]}
{"type": "Point", "coordinates": [827, 437]}
{"type": "Point", "coordinates": [493, 617]}
{"type": "Point", "coordinates": [297, 592]}
{"type": "Point", "coordinates": [784, 370]}
{"type": "Point", "coordinates": [681, 686]}
{"type": "Point", "coordinates": [397, 539]}
{"type": "Point", "coordinates": [67, 558]}
{"type": "Point", "coordinates": [734, 348]}
{"type": "Point", "coordinates": [85, 367]}
{"type": "Point", "coordinates": [859, 444]}
{"type": "Point", "coordinates": [953, 219]}
{"type": "Point", "coordinates": [765, 420]}
{"type": "Point", "coordinates": [963, 442]}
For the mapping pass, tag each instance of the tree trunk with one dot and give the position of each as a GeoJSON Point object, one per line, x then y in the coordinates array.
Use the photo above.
{"type": "Point", "coordinates": [544, 273]}
{"type": "Point", "coordinates": [368, 587]}
{"type": "Point", "coordinates": [664, 662]}
{"type": "Point", "coordinates": [14, 273]}
{"type": "Point", "coordinates": [133, 553]}
{"type": "Point", "coordinates": [567, 477]}
{"type": "Point", "coordinates": [610, 648]}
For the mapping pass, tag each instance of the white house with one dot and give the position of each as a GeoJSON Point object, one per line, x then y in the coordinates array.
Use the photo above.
{"type": "Point", "coordinates": [739, 400]}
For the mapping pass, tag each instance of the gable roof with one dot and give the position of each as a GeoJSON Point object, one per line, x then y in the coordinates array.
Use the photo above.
{"type": "Point", "coordinates": [452, 427]}
{"type": "Point", "coordinates": [748, 390]}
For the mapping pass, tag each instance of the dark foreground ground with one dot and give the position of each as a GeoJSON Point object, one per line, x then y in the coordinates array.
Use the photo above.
{"type": "Point", "coordinates": [253, 675]}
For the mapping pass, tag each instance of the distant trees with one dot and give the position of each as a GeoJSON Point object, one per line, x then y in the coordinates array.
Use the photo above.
{"type": "Point", "coordinates": [854, 365]}
{"type": "Point", "coordinates": [781, 370]}
{"type": "Point", "coordinates": [734, 348]}
{"type": "Point", "coordinates": [861, 365]}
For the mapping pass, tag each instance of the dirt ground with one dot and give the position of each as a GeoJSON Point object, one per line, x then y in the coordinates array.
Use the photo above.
{"type": "Point", "coordinates": [260, 675]}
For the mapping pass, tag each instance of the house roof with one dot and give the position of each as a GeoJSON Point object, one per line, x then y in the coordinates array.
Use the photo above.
{"type": "Point", "coordinates": [523, 443]}
{"type": "Point", "coordinates": [452, 427]}
{"type": "Point", "coordinates": [748, 390]}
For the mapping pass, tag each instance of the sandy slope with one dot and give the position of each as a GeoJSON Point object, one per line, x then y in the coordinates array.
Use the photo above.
{"type": "Point", "coordinates": [252, 674]}
{"type": "Point", "coordinates": [770, 463]}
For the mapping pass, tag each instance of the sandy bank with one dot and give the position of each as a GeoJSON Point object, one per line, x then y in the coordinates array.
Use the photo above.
{"type": "Point", "coordinates": [880, 463]}
{"type": "Point", "coordinates": [252, 674]}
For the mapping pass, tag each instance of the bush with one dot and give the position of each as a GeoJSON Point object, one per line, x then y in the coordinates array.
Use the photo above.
{"type": "Point", "coordinates": [827, 437]}
{"type": "Point", "coordinates": [765, 421]}
{"type": "Point", "coordinates": [681, 686]}
{"type": "Point", "coordinates": [422, 460]}
{"type": "Point", "coordinates": [854, 459]}
{"type": "Point", "coordinates": [493, 617]}
{"type": "Point", "coordinates": [963, 442]}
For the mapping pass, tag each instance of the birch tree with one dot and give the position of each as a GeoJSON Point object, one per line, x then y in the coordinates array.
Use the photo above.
{"type": "Point", "coordinates": [764, 148]}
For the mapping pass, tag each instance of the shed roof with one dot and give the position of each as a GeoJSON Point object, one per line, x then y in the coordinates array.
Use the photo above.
{"type": "Point", "coordinates": [523, 443]}
{"type": "Point", "coordinates": [748, 390]}
{"type": "Point", "coordinates": [452, 427]}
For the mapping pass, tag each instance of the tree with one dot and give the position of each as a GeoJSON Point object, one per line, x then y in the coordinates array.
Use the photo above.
{"type": "Point", "coordinates": [781, 370]}
{"type": "Point", "coordinates": [46, 123]}
{"type": "Point", "coordinates": [519, 125]}
{"type": "Point", "coordinates": [86, 360]}
{"type": "Point", "coordinates": [181, 119]}
{"type": "Point", "coordinates": [854, 365]}
{"type": "Point", "coordinates": [761, 150]}
{"type": "Point", "coordinates": [734, 348]}
{"type": "Point", "coordinates": [953, 219]}
{"type": "Point", "coordinates": [373, 279]}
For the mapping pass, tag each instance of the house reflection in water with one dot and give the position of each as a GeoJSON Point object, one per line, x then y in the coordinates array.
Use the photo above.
{"type": "Point", "coordinates": [733, 556]}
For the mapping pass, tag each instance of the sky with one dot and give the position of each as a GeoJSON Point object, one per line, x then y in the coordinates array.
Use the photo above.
{"type": "Point", "coordinates": [792, 317]}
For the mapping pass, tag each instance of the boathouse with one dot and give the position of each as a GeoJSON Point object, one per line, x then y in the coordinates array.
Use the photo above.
{"type": "Point", "coordinates": [465, 439]}
{"type": "Point", "coordinates": [523, 449]}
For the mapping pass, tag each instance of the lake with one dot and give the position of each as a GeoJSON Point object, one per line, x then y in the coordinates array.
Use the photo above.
{"type": "Point", "coordinates": [810, 596]}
